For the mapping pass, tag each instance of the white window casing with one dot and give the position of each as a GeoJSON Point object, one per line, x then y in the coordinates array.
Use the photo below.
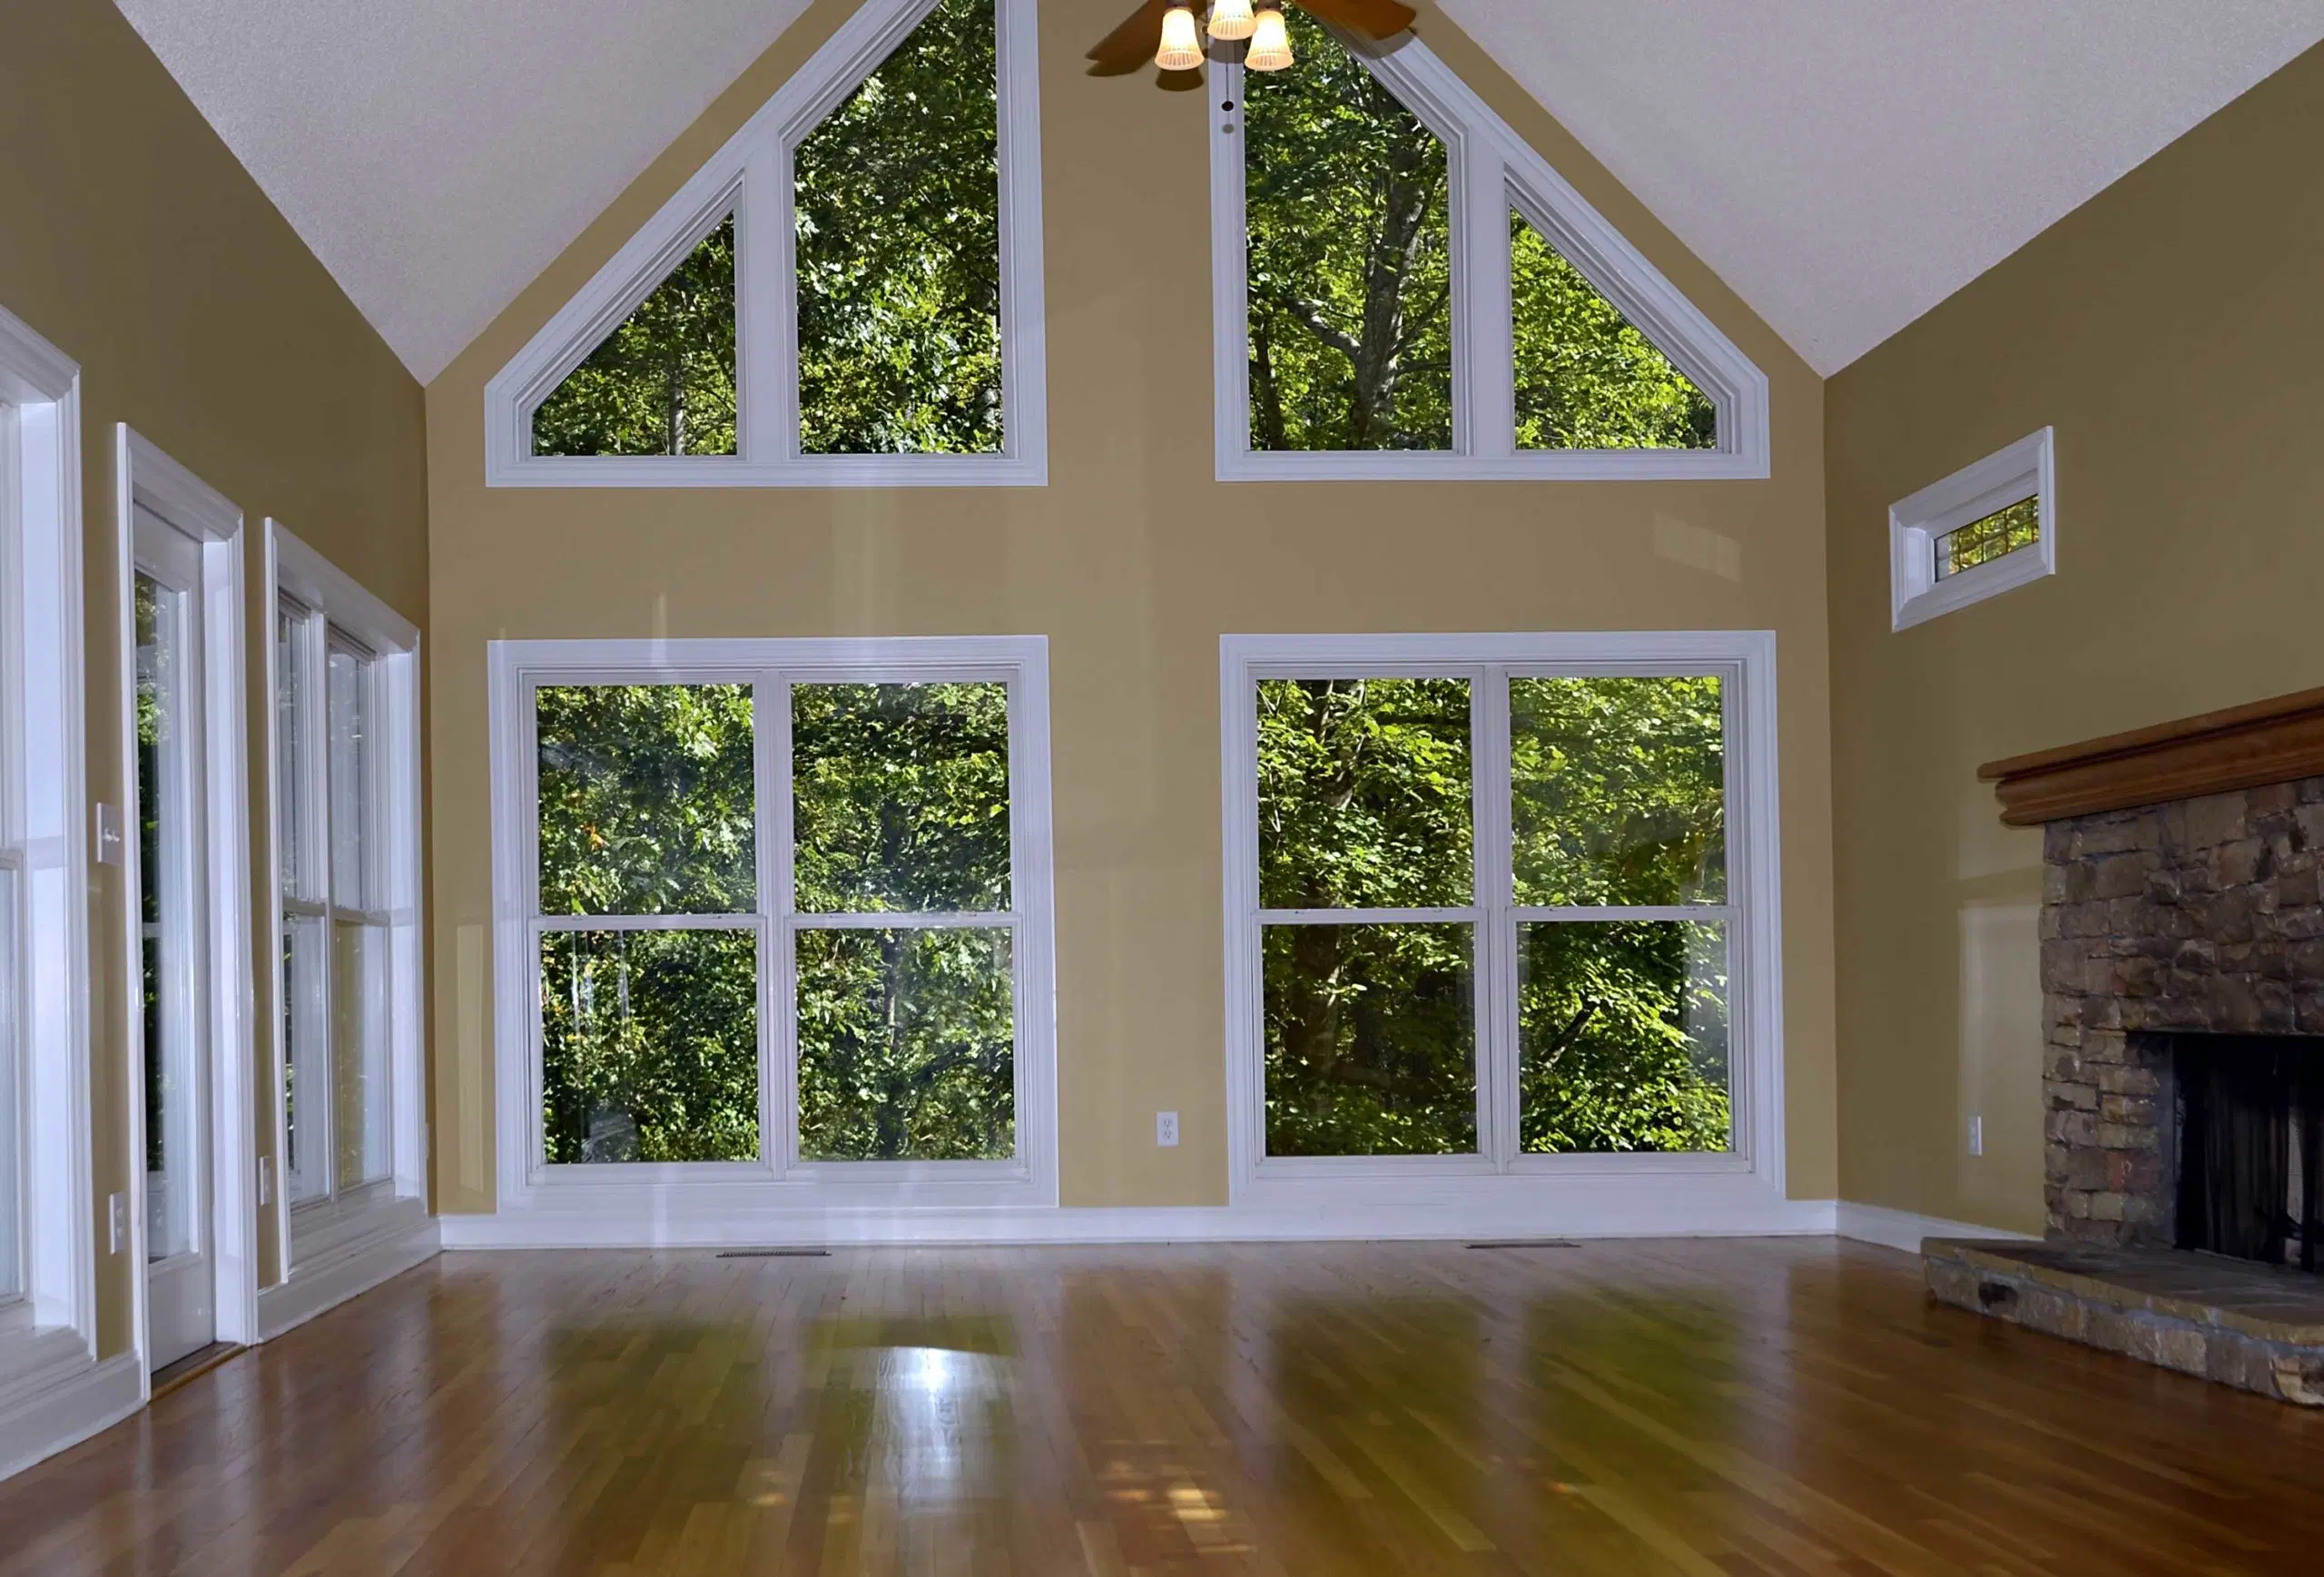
{"type": "Point", "coordinates": [2027, 468]}
{"type": "Point", "coordinates": [751, 178]}
{"type": "Point", "coordinates": [48, 1325]}
{"type": "Point", "coordinates": [1500, 1181]}
{"type": "Point", "coordinates": [321, 1218]}
{"type": "Point", "coordinates": [768, 1198]}
{"type": "Point", "coordinates": [1492, 169]}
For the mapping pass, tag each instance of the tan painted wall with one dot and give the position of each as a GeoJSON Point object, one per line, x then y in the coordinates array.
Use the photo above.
{"type": "Point", "coordinates": [133, 240]}
{"type": "Point", "coordinates": [1133, 561]}
{"type": "Point", "coordinates": [2173, 330]}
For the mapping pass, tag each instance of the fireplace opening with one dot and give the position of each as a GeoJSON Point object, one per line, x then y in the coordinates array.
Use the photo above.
{"type": "Point", "coordinates": [2250, 1150]}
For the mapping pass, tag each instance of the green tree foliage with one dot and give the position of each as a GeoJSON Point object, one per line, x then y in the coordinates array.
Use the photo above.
{"type": "Point", "coordinates": [663, 383]}
{"type": "Point", "coordinates": [1349, 259]}
{"type": "Point", "coordinates": [1586, 378]}
{"type": "Point", "coordinates": [1983, 541]}
{"type": "Point", "coordinates": [1364, 802]}
{"type": "Point", "coordinates": [899, 251]}
{"type": "Point", "coordinates": [647, 805]}
{"type": "Point", "coordinates": [907, 1039]}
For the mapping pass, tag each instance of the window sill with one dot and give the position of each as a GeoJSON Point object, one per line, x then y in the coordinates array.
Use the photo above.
{"type": "Point", "coordinates": [329, 1229]}
{"type": "Point", "coordinates": [1532, 465]}
{"type": "Point", "coordinates": [33, 1359]}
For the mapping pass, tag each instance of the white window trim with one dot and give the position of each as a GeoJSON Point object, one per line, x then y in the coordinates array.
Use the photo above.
{"type": "Point", "coordinates": [670, 1200]}
{"type": "Point", "coordinates": [1745, 660]}
{"type": "Point", "coordinates": [1493, 168]}
{"type": "Point", "coordinates": [317, 1233]}
{"type": "Point", "coordinates": [751, 177]}
{"type": "Point", "coordinates": [2026, 468]}
{"type": "Point", "coordinates": [145, 474]}
{"type": "Point", "coordinates": [49, 1334]}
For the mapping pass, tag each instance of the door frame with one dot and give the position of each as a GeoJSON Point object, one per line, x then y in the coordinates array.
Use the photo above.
{"type": "Point", "coordinates": [143, 475]}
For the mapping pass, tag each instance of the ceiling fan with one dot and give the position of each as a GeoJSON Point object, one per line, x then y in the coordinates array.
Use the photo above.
{"type": "Point", "coordinates": [1165, 32]}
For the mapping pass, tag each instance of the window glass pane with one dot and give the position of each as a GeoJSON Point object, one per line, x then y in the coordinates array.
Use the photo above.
{"type": "Point", "coordinates": [650, 1046]}
{"type": "Point", "coordinates": [348, 685]}
{"type": "Point", "coordinates": [1586, 378]}
{"type": "Point", "coordinates": [900, 797]}
{"type": "Point", "coordinates": [907, 1046]}
{"type": "Point", "coordinates": [12, 1282]}
{"type": "Point", "coordinates": [306, 1059]}
{"type": "Point", "coordinates": [289, 747]}
{"type": "Point", "coordinates": [1617, 789]}
{"type": "Point", "coordinates": [164, 848]}
{"type": "Point", "coordinates": [1370, 1039]}
{"type": "Point", "coordinates": [1349, 259]}
{"type": "Point", "coordinates": [663, 383]}
{"type": "Point", "coordinates": [1983, 541]}
{"type": "Point", "coordinates": [899, 251]}
{"type": "Point", "coordinates": [1363, 793]}
{"type": "Point", "coordinates": [1622, 1036]}
{"type": "Point", "coordinates": [646, 796]}
{"type": "Point", "coordinates": [361, 1101]}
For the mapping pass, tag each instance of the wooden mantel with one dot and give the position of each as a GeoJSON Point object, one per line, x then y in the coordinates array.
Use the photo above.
{"type": "Point", "coordinates": [2267, 742]}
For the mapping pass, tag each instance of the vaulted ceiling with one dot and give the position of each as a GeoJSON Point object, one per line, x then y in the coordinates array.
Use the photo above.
{"type": "Point", "coordinates": [1842, 165]}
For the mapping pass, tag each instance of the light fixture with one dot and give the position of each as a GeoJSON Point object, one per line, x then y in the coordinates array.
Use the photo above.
{"type": "Point", "coordinates": [1181, 45]}
{"type": "Point", "coordinates": [1270, 42]}
{"type": "Point", "coordinates": [1231, 20]}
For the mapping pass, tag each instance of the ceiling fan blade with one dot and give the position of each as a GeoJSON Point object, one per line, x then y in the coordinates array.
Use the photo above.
{"type": "Point", "coordinates": [1133, 43]}
{"type": "Point", "coordinates": [1372, 18]}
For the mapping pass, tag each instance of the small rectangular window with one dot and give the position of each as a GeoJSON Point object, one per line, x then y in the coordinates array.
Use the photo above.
{"type": "Point", "coordinates": [1988, 528]}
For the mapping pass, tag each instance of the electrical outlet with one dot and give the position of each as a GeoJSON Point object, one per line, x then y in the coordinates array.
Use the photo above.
{"type": "Point", "coordinates": [265, 1181]}
{"type": "Point", "coordinates": [1976, 1136]}
{"type": "Point", "coordinates": [1166, 1129]}
{"type": "Point", "coordinates": [119, 1222]}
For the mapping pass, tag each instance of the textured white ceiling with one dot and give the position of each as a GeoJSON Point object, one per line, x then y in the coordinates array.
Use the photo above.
{"type": "Point", "coordinates": [1844, 165]}
{"type": "Point", "coordinates": [438, 154]}
{"type": "Point", "coordinates": [1847, 164]}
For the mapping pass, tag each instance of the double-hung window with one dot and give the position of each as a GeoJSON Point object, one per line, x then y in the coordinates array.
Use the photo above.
{"type": "Point", "coordinates": [47, 1313]}
{"type": "Point", "coordinates": [346, 842]}
{"type": "Point", "coordinates": [781, 918]}
{"type": "Point", "coordinates": [849, 293]}
{"type": "Point", "coordinates": [1498, 904]}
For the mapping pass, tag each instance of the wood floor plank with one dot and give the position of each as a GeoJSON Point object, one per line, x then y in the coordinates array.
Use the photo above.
{"type": "Point", "coordinates": [1790, 1408]}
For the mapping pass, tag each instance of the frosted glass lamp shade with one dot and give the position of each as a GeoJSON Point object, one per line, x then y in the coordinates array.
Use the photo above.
{"type": "Point", "coordinates": [1270, 43]}
{"type": "Point", "coordinates": [1181, 44]}
{"type": "Point", "coordinates": [1231, 20]}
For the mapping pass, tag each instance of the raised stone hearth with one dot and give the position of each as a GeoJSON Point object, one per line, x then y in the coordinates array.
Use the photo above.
{"type": "Point", "coordinates": [2257, 1327]}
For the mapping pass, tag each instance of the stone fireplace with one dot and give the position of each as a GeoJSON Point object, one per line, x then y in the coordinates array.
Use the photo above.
{"type": "Point", "coordinates": [2183, 1079]}
{"type": "Point", "coordinates": [2162, 928]}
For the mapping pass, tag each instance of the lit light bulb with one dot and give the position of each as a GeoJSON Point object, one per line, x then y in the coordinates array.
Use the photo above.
{"type": "Point", "coordinates": [1231, 19]}
{"type": "Point", "coordinates": [1181, 45]}
{"type": "Point", "coordinates": [1270, 43]}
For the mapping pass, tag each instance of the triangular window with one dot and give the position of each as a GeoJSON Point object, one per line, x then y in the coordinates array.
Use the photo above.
{"type": "Point", "coordinates": [1406, 289]}
{"type": "Point", "coordinates": [848, 293]}
{"type": "Point", "coordinates": [664, 382]}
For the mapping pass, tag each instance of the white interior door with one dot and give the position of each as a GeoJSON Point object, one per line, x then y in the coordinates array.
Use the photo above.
{"type": "Point", "coordinates": [173, 859]}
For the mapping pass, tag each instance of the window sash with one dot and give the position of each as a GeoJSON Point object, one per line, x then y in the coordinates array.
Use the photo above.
{"type": "Point", "coordinates": [1495, 915]}
{"type": "Point", "coordinates": [776, 922]}
{"type": "Point", "coordinates": [313, 799]}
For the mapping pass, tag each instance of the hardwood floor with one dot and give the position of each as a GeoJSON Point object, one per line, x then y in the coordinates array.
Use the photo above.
{"type": "Point", "coordinates": [1701, 1408]}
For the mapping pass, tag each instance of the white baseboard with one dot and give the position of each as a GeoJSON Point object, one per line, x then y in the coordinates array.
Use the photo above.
{"type": "Point", "coordinates": [331, 1279]}
{"type": "Point", "coordinates": [65, 1414]}
{"type": "Point", "coordinates": [666, 1228]}
{"type": "Point", "coordinates": [1903, 1231]}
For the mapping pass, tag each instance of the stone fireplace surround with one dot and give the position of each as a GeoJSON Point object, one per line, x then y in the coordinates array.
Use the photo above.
{"type": "Point", "coordinates": [2200, 915]}
{"type": "Point", "coordinates": [2182, 893]}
